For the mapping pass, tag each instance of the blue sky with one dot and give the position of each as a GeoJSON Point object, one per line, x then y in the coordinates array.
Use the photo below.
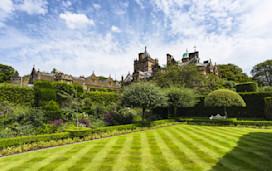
{"type": "Point", "coordinates": [105, 36]}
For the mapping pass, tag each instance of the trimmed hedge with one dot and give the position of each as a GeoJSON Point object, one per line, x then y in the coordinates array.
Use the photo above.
{"type": "Point", "coordinates": [17, 95]}
{"type": "Point", "coordinates": [226, 122]}
{"type": "Point", "coordinates": [87, 131]}
{"type": "Point", "coordinates": [247, 87]}
{"type": "Point", "coordinates": [100, 97]}
{"type": "Point", "coordinates": [7, 142]}
{"type": "Point", "coordinates": [268, 108]}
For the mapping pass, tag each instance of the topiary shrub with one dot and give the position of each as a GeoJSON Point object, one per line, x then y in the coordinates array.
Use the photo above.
{"type": "Point", "coordinates": [224, 98]}
{"type": "Point", "coordinates": [52, 111]}
{"type": "Point", "coordinates": [247, 87]}
{"type": "Point", "coordinates": [268, 108]}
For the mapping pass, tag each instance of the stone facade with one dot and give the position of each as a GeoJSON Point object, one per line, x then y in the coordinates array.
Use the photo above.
{"type": "Point", "coordinates": [146, 67]}
{"type": "Point", "coordinates": [87, 83]}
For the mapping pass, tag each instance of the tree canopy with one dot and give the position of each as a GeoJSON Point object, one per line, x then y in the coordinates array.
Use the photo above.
{"type": "Point", "coordinates": [6, 73]}
{"type": "Point", "coordinates": [232, 72]}
{"type": "Point", "coordinates": [180, 97]}
{"type": "Point", "coordinates": [224, 98]}
{"type": "Point", "coordinates": [262, 72]}
{"type": "Point", "coordinates": [180, 76]}
{"type": "Point", "coordinates": [143, 94]}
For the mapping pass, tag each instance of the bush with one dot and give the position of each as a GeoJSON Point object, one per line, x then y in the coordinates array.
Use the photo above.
{"type": "Point", "coordinates": [124, 116]}
{"type": "Point", "coordinates": [268, 108]}
{"type": "Point", "coordinates": [265, 88]}
{"type": "Point", "coordinates": [102, 89]}
{"type": "Point", "coordinates": [103, 97]}
{"type": "Point", "coordinates": [52, 111]}
{"type": "Point", "coordinates": [44, 92]}
{"type": "Point", "coordinates": [17, 95]}
{"type": "Point", "coordinates": [224, 98]}
{"type": "Point", "coordinates": [247, 87]}
{"type": "Point", "coordinates": [59, 87]}
{"type": "Point", "coordinates": [7, 142]}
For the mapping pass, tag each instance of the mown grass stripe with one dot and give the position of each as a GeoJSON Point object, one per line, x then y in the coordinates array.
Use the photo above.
{"type": "Point", "coordinates": [240, 154]}
{"type": "Point", "coordinates": [74, 156]}
{"type": "Point", "coordinates": [36, 157]}
{"type": "Point", "coordinates": [184, 154]}
{"type": "Point", "coordinates": [202, 148]}
{"type": "Point", "coordinates": [122, 158]}
{"type": "Point", "coordinates": [110, 159]}
{"type": "Point", "coordinates": [98, 155]}
{"type": "Point", "coordinates": [146, 154]}
{"type": "Point", "coordinates": [157, 157]}
{"type": "Point", "coordinates": [252, 141]}
{"type": "Point", "coordinates": [174, 163]}
{"type": "Point", "coordinates": [134, 158]}
{"type": "Point", "coordinates": [238, 134]}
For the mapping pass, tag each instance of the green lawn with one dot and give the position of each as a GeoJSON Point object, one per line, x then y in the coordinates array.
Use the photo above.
{"type": "Point", "coordinates": [181, 147]}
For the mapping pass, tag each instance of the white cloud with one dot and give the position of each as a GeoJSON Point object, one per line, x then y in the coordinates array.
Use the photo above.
{"type": "Point", "coordinates": [115, 29]}
{"type": "Point", "coordinates": [66, 4]}
{"type": "Point", "coordinates": [76, 20]}
{"type": "Point", "coordinates": [140, 3]}
{"type": "Point", "coordinates": [6, 6]}
{"type": "Point", "coordinates": [96, 6]}
{"type": "Point", "coordinates": [34, 6]}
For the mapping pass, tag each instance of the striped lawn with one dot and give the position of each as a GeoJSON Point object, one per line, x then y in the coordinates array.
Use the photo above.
{"type": "Point", "coordinates": [180, 147]}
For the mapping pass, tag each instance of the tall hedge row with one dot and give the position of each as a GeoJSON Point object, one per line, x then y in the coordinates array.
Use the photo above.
{"type": "Point", "coordinates": [44, 93]}
{"type": "Point", "coordinates": [254, 101]}
{"type": "Point", "coordinates": [247, 87]}
{"type": "Point", "coordinates": [268, 108]}
{"type": "Point", "coordinates": [17, 95]}
{"type": "Point", "coordinates": [100, 97]}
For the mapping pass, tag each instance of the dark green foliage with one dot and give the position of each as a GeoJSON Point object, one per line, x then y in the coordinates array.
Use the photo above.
{"type": "Point", "coordinates": [35, 117]}
{"type": "Point", "coordinates": [8, 142]}
{"type": "Point", "coordinates": [265, 88]}
{"type": "Point", "coordinates": [225, 122]}
{"type": "Point", "coordinates": [59, 87]}
{"type": "Point", "coordinates": [92, 89]}
{"type": "Point", "coordinates": [262, 72]}
{"type": "Point", "coordinates": [43, 84]}
{"type": "Point", "coordinates": [247, 87]}
{"type": "Point", "coordinates": [255, 102]}
{"type": "Point", "coordinates": [180, 97]}
{"type": "Point", "coordinates": [176, 76]}
{"type": "Point", "coordinates": [44, 92]}
{"type": "Point", "coordinates": [52, 111]}
{"type": "Point", "coordinates": [17, 95]}
{"type": "Point", "coordinates": [103, 97]}
{"type": "Point", "coordinates": [102, 89]}
{"type": "Point", "coordinates": [144, 95]}
{"type": "Point", "coordinates": [78, 88]}
{"type": "Point", "coordinates": [268, 108]}
{"type": "Point", "coordinates": [6, 73]}
{"type": "Point", "coordinates": [232, 72]}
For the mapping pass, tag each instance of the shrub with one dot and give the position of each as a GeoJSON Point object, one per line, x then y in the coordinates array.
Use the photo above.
{"type": "Point", "coordinates": [83, 122]}
{"type": "Point", "coordinates": [59, 87]}
{"type": "Point", "coordinates": [7, 142]}
{"type": "Point", "coordinates": [52, 110]}
{"type": "Point", "coordinates": [224, 98]}
{"type": "Point", "coordinates": [247, 87]}
{"type": "Point", "coordinates": [124, 116]}
{"type": "Point", "coordinates": [17, 95]}
{"type": "Point", "coordinates": [103, 97]}
{"type": "Point", "coordinates": [102, 89]}
{"type": "Point", "coordinates": [265, 88]}
{"type": "Point", "coordinates": [180, 97]}
{"type": "Point", "coordinates": [44, 92]}
{"type": "Point", "coordinates": [268, 108]}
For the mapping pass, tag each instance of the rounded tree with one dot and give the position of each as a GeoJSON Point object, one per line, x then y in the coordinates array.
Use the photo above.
{"type": "Point", "coordinates": [180, 97]}
{"type": "Point", "coordinates": [224, 98]}
{"type": "Point", "coordinates": [143, 94]}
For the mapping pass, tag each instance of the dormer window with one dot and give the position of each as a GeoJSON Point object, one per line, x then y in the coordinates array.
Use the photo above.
{"type": "Point", "coordinates": [93, 81]}
{"type": "Point", "coordinates": [109, 83]}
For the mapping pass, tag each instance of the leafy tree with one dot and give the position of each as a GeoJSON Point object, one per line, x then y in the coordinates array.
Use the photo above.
{"type": "Point", "coordinates": [224, 98]}
{"type": "Point", "coordinates": [6, 73]}
{"type": "Point", "coordinates": [262, 72]}
{"type": "Point", "coordinates": [180, 76]}
{"type": "Point", "coordinates": [232, 72]}
{"type": "Point", "coordinates": [143, 94]}
{"type": "Point", "coordinates": [54, 70]}
{"type": "Point", "coordinates": [180, 97]}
